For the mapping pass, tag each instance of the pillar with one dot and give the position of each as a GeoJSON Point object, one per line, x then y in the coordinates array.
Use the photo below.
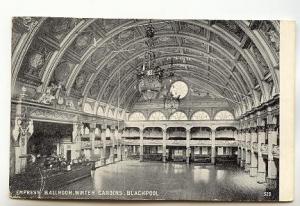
{"type": "Point", "coordinates": [76, 139]}
{"type": "Point", "coordinates": [238, 155]}
{"type": "Point", "coordinates": [113, 141]}
{"type": "Point", "coordinates": [188, 147]}
{"type": "Point", "coordinates": [272, 176]}
{"type": "Point", "coordinates": [23, 129]}
{"type": "Point", "coordinates": [261, 170]}
{"type": "Point", "coordinates": [238, 161]}
{"type": "Point", "coordinates": [103, 139]}
{"type": "Point", "coordinates": [243, 148]}
{"type": "Point", "coordinates": [92, 139]}
{"type": "Point", "coordinates": [253, 167]}
{"type": "Point", "coordinates": [141, 144]}
{"type": "Point", "coordinates": [164, 156]}
{"type": "Point", "coordinates": [213, 146]}
{"type": "Point", "coordinates": [119, 145]}
{"type": "Point", "coordinates": [247, 151]}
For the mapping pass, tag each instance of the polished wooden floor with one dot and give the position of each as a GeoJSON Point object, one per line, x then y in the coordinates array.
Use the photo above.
{"type": "Point", "coordinates": [172, 181]}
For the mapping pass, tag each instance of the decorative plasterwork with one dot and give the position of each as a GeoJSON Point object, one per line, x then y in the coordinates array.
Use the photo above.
{"type": "Point", "coordinates": [246, 51]}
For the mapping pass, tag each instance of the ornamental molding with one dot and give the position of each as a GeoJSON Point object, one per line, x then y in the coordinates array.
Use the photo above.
{"type": "Point", "coordinates": [55, 115]}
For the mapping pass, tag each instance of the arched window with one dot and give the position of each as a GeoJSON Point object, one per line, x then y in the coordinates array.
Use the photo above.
{"type": "Point", "coordinates": [88, 108]}
{"type": "Point", "coordinates": [224, 115]}
{"type": "Point", "coordinates": [100, 111]}
{"type": "Point", "coordinates": [178, 116]}
{"type": "Point", "coordinates": [157, 116]}
{"type": "Point", "coordinates": [136, 116]}
{"type": "Point", "coordinates": [200, 115]}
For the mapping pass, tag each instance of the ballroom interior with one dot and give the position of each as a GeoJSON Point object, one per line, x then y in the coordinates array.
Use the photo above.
{"type": "Point", "coordinates": [198, 98]}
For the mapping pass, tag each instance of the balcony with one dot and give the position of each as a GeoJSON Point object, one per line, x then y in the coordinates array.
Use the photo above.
{"type": "Point", "coordinates": [226, 143]}
{"type": "Point", "coordinates": [86, 145]}
{"type": "Point", "coordinates": [200, 142]}
{"type": "Point", "coordinates": [131, 141]}
{"type": "Point", "coordinates": [98, 143]}
{"type": "Point", "coordinates": [176, 142]}
{"type": "Point", "coordinates": [153, 142]}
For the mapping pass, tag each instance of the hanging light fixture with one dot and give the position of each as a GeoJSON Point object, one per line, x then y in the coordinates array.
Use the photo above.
{"type": "Point", "coordinates": [171, 103]}
{"type": "Point", "coordinates": [150, 75]}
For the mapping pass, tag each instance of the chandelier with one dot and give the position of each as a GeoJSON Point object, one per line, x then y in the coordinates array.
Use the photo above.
{"type": "Point", "coordinates": [150, 75]}
{"type": "Point", "coordinates": [171, 103]}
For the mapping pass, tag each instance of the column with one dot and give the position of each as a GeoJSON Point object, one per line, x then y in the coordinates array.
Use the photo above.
{"type": "Point", "coordinates": [261, 170]}
{"type": "Point", "coordinates": [103, 139]}
{"type": "Point", "coordinates": [238, 155]}
{"type": "Point", "coordinates": [213, 146]}
{"type": "Point", "coordinates": [243, 144]}
{"type": "Point", "coordinates": [239, 148]}
{"type": "Point", "coordinates": [247, 151]}
{"type": "Point", "coordinates": [23, 129]}
{"type": "Point", "coordinates": [92, 139]}
{"type": "Point", "coordinates": [253, 167]}
{"type": "Point", "coordinates": [272, 179]}
{"type": "Point", "coordinates": [113, 141]}
{"type": "Point", "coordinates": [119, 146]}
{"type": "Point", "coordinates": [76, 139]}
{"type": "Point", "coordinates": [141, 144]}
{"type": "Point", "coordinates": [164, 145]}
{"type": "Point", "coordinates": [188, 147]}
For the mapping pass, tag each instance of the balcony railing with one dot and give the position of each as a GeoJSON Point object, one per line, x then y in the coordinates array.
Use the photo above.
{"type": "Point", "coordinates": [153, 142]}
{"type": "Point", "coordinates": [227, 143]}
{"type": "Point", "coordinates": [200, 142]}
{"type": "Point", "coordinates": [131, 141]}
{"type": "Point", "coordinates": [176, 142]}
{"type": "Point", "coordinates": [98, 143]}
{"type": "Point", "coordinates": [86, 144]}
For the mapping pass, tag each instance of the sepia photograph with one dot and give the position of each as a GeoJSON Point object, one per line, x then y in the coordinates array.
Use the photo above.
{"type": "Point", "coordinates": [145, 109]}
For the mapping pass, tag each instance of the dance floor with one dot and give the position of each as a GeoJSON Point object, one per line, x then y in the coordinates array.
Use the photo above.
{"type": "Point", "coordinates": [172, 181]}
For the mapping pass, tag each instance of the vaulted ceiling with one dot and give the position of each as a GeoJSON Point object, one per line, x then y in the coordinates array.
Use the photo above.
{"type": "Point", "coordinates": [98, 58]}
